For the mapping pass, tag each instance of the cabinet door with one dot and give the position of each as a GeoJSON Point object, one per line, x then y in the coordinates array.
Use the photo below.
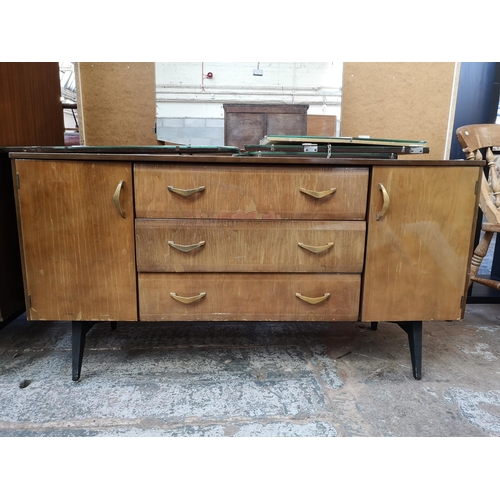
{"type": "Point", "coordinates": [418, 253]}
{"type": "Point", "coordinates": [78, 250]}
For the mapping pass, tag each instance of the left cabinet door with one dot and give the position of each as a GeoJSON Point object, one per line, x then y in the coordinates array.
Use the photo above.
{"type": "Point", "coordinates": [77, 237]}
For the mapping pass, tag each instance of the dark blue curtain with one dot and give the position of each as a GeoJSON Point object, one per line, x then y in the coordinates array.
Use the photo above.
{"type": "Point", "coordinates": [477, 98]}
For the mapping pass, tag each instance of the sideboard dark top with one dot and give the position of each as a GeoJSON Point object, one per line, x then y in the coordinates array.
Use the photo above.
{"type": "Point", "coordinates": [150, 150]}
{"type": "Point", "coordinates": [111, 154]}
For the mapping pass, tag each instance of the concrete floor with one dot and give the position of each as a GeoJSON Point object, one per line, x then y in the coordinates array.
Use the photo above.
{"type": "Point", "coordinates": [252, 379]}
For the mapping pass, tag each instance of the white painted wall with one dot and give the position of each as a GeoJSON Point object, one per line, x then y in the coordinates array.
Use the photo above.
{"type": "Point", "coordinates": [69, 118]}
{"type": "Point", "coordinates": [184, 91]}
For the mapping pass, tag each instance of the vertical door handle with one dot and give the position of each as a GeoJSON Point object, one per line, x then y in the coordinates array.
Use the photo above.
{"type": "Point", "coordinates": [387, 201]}
{"type": "Point", "coordinates": [116, 198]}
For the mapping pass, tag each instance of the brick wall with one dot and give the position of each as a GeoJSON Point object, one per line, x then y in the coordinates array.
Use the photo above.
{"type": "Point", "coordinates": [191, 131]}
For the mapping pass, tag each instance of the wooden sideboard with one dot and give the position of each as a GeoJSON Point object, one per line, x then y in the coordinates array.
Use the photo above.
{"type": "Point", "coordinates": [144, 237]}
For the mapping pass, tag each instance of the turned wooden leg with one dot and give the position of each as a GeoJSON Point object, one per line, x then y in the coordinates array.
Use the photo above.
{"type": "Point", "coordinates": [414, 331]}
{"type": "Point", "coordinates": [79, 331]}
{"type": "Point", "coordinates": [479, 253]}
{"type": "Point", "coordinates": [374, 325]}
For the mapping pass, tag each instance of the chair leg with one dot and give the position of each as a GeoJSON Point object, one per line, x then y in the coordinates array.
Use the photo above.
{"type": "Point", "coordinates": [479, 253]}
{"type": "Point", "coordinates": [489, 283]}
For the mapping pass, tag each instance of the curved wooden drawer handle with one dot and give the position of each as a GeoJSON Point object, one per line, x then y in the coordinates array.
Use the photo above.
{"type": "Point", "coordinates": [387, 201]}
{"type": "Point", "coordinates": [314, 249]}
{"type": "Point", "coordinates": [186, 248]}
{"type": "Point", "coordinates": [312, 300]}
{"type": "Point", "coordinates": [116, 198]}
{"type": "Point", "coordinates": [186, 192]}
{"type": "Point", "coordinates": [187, 300]}
{"type": "Point", "coordinates": [318, 194]}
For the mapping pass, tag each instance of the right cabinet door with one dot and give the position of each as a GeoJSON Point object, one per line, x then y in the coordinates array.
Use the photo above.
{"type": "Point", "coordinates": [418, 251]}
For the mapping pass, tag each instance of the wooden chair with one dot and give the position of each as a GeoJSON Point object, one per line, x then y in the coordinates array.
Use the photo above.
{"type": "Point", "coordinates": [472, 139]}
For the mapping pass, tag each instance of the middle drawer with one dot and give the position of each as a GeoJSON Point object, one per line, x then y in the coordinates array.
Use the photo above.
{"type": "Point", "coordinates": [192, 245]}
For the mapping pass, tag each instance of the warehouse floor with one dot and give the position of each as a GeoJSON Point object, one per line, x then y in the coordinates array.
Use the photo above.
{"type": "Point", "coordinates": [252, 379]}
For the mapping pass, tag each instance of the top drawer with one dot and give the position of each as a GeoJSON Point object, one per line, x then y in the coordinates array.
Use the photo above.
{"type": "Point", "coordinates": [268, 192]}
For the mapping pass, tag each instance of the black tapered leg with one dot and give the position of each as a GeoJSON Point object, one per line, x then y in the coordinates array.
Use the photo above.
{"type": "Point", "coordinates": [114, 325]}
{"type": "Point", "coordinates": [414, 331]}
{"type": "Point", "coordinates": [79, 331]}
{"type": "Point", "coordinates": [374, 325]}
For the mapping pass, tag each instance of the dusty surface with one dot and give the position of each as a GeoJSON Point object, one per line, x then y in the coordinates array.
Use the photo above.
{"type": "Point", "coordinates": [252, 379]}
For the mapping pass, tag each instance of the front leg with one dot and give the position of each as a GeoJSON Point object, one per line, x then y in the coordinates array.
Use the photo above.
{"type": "Point", "coordinates": [479, 253]}
{"type": "Point", "coordinates": [79, 331]}
{"type": "Point", "coordinates": [414, 331]}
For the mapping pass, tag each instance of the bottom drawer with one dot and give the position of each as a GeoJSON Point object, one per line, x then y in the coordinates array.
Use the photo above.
{"type": "Point", "coordinates": [248, 297]}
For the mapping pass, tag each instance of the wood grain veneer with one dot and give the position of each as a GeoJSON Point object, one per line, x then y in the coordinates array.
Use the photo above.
{"type": "Point", "coordinates": [30, 104]}
{"type": "Point", "coordinates": [78, 250]}
{"type": "Point", "coordinates": [418, 253]}
{"type": "Point", "coordinates": [248, 297]}
{"type": "Point", "coordinates": [249, 246]}
{"type": "Point", "coordinates": [233, 192]}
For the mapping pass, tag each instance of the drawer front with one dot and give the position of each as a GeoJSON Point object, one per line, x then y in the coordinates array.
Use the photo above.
{"type": "Point", "coordinates": [264, 192]}
{"type": "Point", "coordinates": [187, 245]}
{"type": "Point", "coordinates": [248, 297]}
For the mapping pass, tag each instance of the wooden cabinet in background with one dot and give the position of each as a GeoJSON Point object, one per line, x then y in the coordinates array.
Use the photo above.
{"type": "Point", "coordinates": [31, 112]}
{"type": "Point", "coordinates": [30, 115]}
{"type": "Point", "coordinates": [322, 125]}
{"type": "Point", "coordinates": [249, 123]}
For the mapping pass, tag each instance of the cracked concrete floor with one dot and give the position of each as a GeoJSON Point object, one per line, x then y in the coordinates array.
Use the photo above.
{"type": "Point", "coordinates": [252, 379]}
